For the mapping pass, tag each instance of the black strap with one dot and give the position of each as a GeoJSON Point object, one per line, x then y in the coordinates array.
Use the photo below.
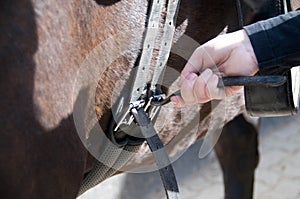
{"type": "Point", "coordinates": [239, 13]}
{"type": "Point", "coordinates": [160, 155]}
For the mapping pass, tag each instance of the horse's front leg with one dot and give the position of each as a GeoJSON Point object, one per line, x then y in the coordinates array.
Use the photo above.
{"type": "Point", "coordinates": [238, 155]}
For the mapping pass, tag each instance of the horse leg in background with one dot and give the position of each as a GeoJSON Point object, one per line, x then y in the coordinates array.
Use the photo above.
{"type": "Point", "coordinates": [238, 156]}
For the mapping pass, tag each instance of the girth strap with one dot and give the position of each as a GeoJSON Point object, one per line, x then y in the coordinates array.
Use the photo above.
{"type": "Point", "coordinates": [147, 51]}
{"type": "Point", "coordinates": [166, 44]}
{"type": "Point", "coordinates": [151, 36]}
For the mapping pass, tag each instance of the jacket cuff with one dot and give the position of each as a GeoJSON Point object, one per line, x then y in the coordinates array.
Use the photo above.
{"type": "Point", "coordinates": [262, 46]}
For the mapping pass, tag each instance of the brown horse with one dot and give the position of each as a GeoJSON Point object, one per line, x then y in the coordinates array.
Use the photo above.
{"type": "Point", "coordinates": [43, 46]}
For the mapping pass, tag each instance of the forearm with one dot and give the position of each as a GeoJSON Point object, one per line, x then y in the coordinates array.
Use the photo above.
{"type": "Point", "coordinates": [276, 42]}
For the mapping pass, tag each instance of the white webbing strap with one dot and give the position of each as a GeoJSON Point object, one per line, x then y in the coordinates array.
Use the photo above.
{"type": "Point", "coordinates": [147, 51]}
{"type": "Point", "coordinates": [166, 43]}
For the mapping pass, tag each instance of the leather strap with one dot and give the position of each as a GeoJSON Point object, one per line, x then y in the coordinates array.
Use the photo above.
{"type": "Point", "coordinates": [161, 157]}
{"type": "Point", "coordinates": [239, 13]}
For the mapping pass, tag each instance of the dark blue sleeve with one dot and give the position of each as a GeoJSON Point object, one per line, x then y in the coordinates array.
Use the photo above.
{"type": "Point", "coordinates": [276, 42]}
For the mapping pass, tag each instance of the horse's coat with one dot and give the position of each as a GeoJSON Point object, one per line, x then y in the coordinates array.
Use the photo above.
{"type": "Point", "coordinates": [43, 46]}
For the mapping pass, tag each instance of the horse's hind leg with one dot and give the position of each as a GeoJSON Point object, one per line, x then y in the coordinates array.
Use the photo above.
{"type": "Point", "coordinates": [238, 155]}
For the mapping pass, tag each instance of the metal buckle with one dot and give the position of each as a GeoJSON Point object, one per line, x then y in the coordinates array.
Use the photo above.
{"type": "Point", "coordinates": [147, 105]}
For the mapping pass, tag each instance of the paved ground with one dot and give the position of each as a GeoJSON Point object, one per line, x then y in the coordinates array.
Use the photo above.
{"type": "Point", "coordinates": [277, 177]}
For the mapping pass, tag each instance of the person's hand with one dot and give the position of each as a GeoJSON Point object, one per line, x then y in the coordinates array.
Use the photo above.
{"type": "Point", "coordinates": [230, 55]}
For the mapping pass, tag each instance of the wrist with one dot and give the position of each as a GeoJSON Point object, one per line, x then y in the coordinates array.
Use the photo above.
{"type": "Point", "coordinates": [246, 43]}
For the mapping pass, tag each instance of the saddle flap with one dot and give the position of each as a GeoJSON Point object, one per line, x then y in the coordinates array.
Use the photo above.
{"type": "Point", "coordinates": [282, 100]}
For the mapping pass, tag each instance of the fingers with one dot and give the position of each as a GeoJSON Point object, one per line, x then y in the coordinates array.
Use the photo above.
{"type": "Point", "coordinates": [205, 88]}
{"type": "Point", "coordinates": [229, 54]}
{"type": "Point", "coordinates": [199, 89]}
{"type": "Point", "coordinates": [187, 88]}
{"type": "Point", "coordinates": [188, 69]}
{"type": "Point", "coordinates": [199, 61]}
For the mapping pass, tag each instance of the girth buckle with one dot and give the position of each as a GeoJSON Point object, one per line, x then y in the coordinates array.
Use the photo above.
{"type": "Point", "coordinates": [150, 106]}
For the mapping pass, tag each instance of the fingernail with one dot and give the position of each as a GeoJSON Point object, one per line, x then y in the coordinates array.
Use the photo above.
{"type": "Point", "coordinates": [175, 101]}
{"type": "Point", "coordinates": [191, 76]}
{"type": "Point", "coordinates": [206, 72]}
{"type": "Point", "coordinates": [205, 75]}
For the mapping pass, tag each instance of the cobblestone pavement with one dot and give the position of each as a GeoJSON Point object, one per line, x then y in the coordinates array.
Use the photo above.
{"type": "Point", "coordinates": [277, 176]}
